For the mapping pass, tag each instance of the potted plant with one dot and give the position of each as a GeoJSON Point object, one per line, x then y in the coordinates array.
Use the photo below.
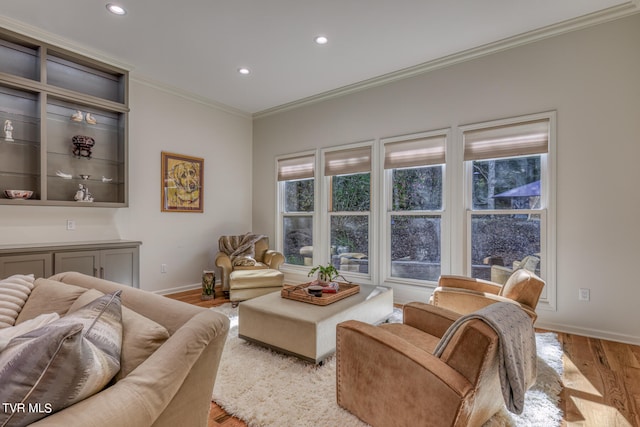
{"type": "Point", "coordinates": [326, 273]}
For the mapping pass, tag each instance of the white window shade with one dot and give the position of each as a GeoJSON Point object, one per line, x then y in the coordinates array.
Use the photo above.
{"type": "Point", "coordinates": [415, 152]}
{"type": "Point", "coordinates": [519, 139]}
{"type": "Point", "coordinates": [302, 167]}
{"type": "Point", "coordinates": [352, 160]}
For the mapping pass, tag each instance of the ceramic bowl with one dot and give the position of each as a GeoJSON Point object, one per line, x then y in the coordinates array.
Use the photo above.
{"type": "Point", "coordinates": [18, 194]}
{"type": "Point", "coordinates": [315, 290]}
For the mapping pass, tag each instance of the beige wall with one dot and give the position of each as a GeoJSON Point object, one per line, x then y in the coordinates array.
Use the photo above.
{"type": "Point", "coordinates": [186, 242]}
{"type": "Point", "coordinates": [160, 121]}
{"type": "Point", "coordinates": [590, 77]}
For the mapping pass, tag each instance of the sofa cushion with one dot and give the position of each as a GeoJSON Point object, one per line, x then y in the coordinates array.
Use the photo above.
{"type": "Point", "coordinates": [14, 291]}
{"type": "Point", "coordinates": [49, 296]}
{"type": "Point", "coordinates": [141, 336]}
{"type": "Point", "coordinates": [61, 363]}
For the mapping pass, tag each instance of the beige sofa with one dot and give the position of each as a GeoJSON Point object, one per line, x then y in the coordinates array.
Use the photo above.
{"type": "Point", "coordinates": [171, 386]}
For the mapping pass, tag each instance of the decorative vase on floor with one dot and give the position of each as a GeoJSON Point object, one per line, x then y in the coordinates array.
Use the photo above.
{"type": "Point", "coordinates": [208, 282]}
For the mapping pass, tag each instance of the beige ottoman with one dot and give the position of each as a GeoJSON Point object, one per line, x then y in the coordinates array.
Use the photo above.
{"type": "Point", "coordinates": [247, 284]}
{"type": "Point", "coordinates": [306, 330]}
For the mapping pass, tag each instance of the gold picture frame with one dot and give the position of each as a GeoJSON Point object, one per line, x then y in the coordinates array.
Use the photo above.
{"type": "Point", "coordinates": [182, 183]}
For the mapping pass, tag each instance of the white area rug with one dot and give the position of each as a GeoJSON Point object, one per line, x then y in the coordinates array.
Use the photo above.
{"type": "Point", "coordinates": [267, 389]}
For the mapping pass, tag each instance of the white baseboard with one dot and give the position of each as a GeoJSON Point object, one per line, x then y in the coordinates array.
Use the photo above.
{"type": "Point", "coordinates": [591, 333]}
{"type": "Point", "coordinates": [177, 289]}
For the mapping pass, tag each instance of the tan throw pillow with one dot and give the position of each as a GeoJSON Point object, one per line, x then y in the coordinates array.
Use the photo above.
{"type": "Point", "coordinates": [141, 336]}
{"type": "Point", "coordinates": [49, 296]}
{"type": "Point", "coordinates": [61, 363]}
{"type": "Point", "coordinates": [14, 291]}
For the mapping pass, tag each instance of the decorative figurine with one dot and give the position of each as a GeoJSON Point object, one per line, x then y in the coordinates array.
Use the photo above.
{"type": "Point", "coordinates": [77, 116]}
{"type": "Point", "coordinates": [208, 283]}
{"type": "Point", "coordinates": [8, 131]}
{"type": "Point", "coordinates": [83, 194]}
{"type": "Point", "coordinates": [82, 146]}
{"type": "Point", "coordinates": [90, 119]}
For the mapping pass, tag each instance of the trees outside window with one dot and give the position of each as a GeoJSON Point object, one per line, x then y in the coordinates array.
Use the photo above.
{"type": "Point", "coordinates": [511, 186]}
{"type": "Point", "coordinates": [349, 222]}
{"type": "Point", "coordinates": [415, 223]}
{"type": "Point", "coordinates": [297, 220]}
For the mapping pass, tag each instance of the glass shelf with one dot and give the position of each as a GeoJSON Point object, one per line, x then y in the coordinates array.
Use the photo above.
{"type": "Point", "coordinates": [61, 189]}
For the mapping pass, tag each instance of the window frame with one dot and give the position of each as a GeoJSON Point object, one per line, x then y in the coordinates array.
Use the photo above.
{"type": "Point", "coordinates": [443, 213]}
{"type": "Point", "coordinates": [282, 214]}
{"type": "Point", "coordinates": [324, 256]}
{"type": "Point", "coordinates": [547, 202]}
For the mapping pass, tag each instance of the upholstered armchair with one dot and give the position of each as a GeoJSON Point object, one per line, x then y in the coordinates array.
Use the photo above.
{"type": "Point", "coordinates": [387, 375]}
{"type": "Point", "coordinates": [255, 256]}
{"type": "Point", "coordinates": [500, 274]}
{"type": "Point", "coordinates": [465, 294]}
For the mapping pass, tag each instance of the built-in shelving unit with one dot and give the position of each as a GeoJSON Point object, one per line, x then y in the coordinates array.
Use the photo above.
{"type": "Point", "coordinates": [53, 97]}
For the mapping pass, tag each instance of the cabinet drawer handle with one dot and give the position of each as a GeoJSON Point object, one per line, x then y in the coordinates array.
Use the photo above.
{"type": "Point", "coordinates": [95, 272]}
{"type": "Point", "coordinates": [102, 272]}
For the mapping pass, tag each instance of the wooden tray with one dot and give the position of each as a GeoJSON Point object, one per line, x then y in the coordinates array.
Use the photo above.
{"type": "Point", "coordinates": [299, 293]}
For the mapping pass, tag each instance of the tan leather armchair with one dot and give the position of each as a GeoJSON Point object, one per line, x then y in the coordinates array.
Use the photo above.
{"type": "Point", "coordinates": [387, 375]}
{"type": "Point", "coordinates": [465, 294]}
{"type": "Point", "coordinates": [265, 259]}
{"type": "Point", "coordinates": [500, 274]}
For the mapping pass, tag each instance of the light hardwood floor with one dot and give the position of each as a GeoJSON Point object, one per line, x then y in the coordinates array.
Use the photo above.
{"type": "Point", "coordinates": [601, 381]}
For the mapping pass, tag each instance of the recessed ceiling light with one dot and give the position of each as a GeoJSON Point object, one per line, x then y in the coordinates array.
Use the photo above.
{"type": "Point", "coordinates": [244, 70]}
{"type": "Point", "coordinates": [115, 9]}
{"type": "Point", "coordinates": [321, 40]}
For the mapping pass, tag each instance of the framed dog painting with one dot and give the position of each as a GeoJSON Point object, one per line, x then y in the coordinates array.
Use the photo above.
{"type": "Point", "coordinates": [182, 183]}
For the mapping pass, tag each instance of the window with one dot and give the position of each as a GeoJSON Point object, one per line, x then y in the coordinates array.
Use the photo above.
{"type": "Point", "coordinates": [414, 181]}
{"type": "Point", "coordinates": [348, 174]}
{"type": "Point", "coordinates": [296, 193]}
{"type": "Point", "coordinates": [507, 177]}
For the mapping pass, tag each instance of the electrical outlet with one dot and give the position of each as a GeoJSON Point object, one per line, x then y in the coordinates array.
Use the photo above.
{"type": "Point", "coordinates": [583, 294]}
{"type": "Point", "coordinates": [71, 224]}
{"type": "Point", "coordinates": [163, 268]}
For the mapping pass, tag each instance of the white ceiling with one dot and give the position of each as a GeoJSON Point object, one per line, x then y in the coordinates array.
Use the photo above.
{"type": "Point", "coordinates": [197, 45]}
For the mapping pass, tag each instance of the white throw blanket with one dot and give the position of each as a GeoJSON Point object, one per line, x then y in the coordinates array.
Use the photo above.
{"type": "Point", "coordinates": [517, 349]}
{"type": "Point", "coordinates": [241, 249]}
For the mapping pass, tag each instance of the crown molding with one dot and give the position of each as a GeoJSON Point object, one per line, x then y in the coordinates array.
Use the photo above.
{"type": "Point", "coordinates": [145, 80]}
{"type": "Point", "coordinates": [61, 42]}
{"type": "Point", "coordinates": [579, 23]}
